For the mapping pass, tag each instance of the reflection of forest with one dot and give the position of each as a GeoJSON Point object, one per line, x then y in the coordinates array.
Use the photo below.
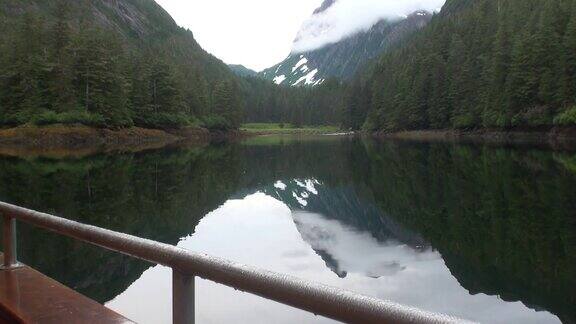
{"type": "Point", "coordinates": [503, 219]}
{"type": "Point", "coordinates": [159, 195]}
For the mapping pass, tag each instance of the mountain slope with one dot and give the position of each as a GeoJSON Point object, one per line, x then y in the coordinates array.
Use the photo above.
{"type": "Point", "coordinates": [242, 71]}
{"type": "Point", "coordinates": [507, 65]}
{"type": "Point", "coordinates": [344, 58]}
{"type": "Point", "coordinates": [140, 23]}
{"type": "Point", "coordinates": [153, 68]}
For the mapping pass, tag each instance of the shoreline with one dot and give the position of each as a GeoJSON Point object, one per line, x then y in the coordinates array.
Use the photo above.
{"type": "Point", "coordinates": [291, 132]}
{"type": "Point", "coordinates": [555, 138]}
{"type": "Point", "coordinates": [268, 129]}
{"type": "Point", "coordinates": [78, 140]}
{"type": "Point", "coordinates": [61, 141]}
{"type": "Point", "coordinates": [74, 141]}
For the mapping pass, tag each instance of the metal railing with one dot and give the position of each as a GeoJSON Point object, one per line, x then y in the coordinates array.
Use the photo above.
{"type": "Point", "coordinates": [316, 298]}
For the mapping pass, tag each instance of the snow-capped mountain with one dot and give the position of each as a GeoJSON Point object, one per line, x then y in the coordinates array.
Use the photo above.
{"type": "Point", "coordinates": [343, 58]}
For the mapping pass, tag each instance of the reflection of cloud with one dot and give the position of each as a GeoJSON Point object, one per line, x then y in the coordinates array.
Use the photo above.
{"type": "Point", "coordinates": [259, 230]}
{"type": "Point", "coordinates": [347, 250]}
{"type": "Point", "coordinates": [346, 17]}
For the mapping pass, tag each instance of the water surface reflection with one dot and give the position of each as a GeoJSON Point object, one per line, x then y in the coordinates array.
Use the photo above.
{"type": "Point", "coordinates": [479, 232]}
{"type": "Point", "coordinates": [266, 233]}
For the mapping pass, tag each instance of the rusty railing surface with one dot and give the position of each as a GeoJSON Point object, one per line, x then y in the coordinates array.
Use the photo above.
{"type": "Point", "coordinates": [319, 299]}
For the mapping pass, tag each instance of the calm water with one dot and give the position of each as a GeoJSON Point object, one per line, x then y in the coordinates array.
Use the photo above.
{"type": "Point", "coordinates": [483, 233]}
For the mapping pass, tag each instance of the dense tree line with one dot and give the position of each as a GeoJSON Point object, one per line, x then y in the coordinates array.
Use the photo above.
{"type": "Point", "coordinates": [479, 64]}
{"type": "Point", "coordinates": [267, 102]}
{"type": "Point", "coordinates": [58, 65]}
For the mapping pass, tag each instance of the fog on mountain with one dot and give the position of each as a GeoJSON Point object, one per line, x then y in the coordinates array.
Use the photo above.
{"type": "Point", "coordinates": [337, 19]}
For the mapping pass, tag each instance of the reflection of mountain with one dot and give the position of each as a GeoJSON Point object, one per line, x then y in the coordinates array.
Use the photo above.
{"type": "Point", "coordinates": [343, 203]}
{"type": "Point", "coordinates": [503, 219]}
{"type": "Point", "coordinates": [336, 215]}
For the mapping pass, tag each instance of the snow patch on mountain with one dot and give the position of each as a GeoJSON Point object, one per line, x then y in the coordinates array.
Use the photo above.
{"type": "Point", "coordinates": [302, 61]}
{"type": "Point", "coordinates": [308, 78]}
{"type": "Point", "coordinates": [279, 79]}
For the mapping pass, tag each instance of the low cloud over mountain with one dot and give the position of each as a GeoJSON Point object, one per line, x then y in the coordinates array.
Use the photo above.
{"type": "Point", "coordinates": [337, 19]}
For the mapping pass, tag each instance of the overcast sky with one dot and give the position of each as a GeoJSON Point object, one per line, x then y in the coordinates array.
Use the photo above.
{"type": "Point", "coordinates": [255, 33]}
{"type": "Point", "coordinates": [259, 33]}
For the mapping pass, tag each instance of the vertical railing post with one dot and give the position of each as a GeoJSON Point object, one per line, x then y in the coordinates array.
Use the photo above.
{"type": "Point", "coordinates": [9, 244]}
{"type": "Point", "coordinates": [182, 298]}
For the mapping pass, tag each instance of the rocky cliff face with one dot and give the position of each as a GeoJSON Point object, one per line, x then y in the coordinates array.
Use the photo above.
{"type": "Point", "coordinates": [138, 19]}
{"type": "Point", "coordinates": [325, 5]}
{"type": "Point", "coordinates": [134, 19]}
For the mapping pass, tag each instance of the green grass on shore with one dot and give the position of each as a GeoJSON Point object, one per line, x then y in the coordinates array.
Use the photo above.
{"type": "Point", "coordinates": [277, 128]}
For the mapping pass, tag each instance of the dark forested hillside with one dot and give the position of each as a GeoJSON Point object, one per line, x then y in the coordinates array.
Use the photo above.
{"type": "Point", "coordinates": [108, 63]}
{"type": "Point", "coordinates": [478, 64]}
{"type": "Point", "coordinates": [242, 71]}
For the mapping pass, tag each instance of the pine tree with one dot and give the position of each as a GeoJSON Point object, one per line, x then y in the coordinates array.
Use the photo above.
{"type": "Point", "coordinates": [164, 94]}
{"type": "Point", "coordinates": [60, 90]}
{"type": "Point", "coordinates": [438, 114]}
{"type": "Point", "coordinates": [568, 83]}
{"type": "Point", "coordinates": [98, 79]}
{"type": "Point", "coordinates": [25, 77]}
{"type": "Point", "coordinates": [549, 45]}
{"type": "Point", "coordinates": [495, 108]}
{"type": "Point", "coordinates": [523, 80]}
{"type": "Point", "coordinates": [227, 103]}
{"type": "Point", "coordinates": [459, 71]}
{"type": "Point", "coordinates": [353, 118]}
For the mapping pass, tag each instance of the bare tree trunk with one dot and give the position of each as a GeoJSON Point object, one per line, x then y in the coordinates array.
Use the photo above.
{"type": "Point", "coordinates": [87, 88]}
{"type": "Point", "coordinates": [156, 179]}
{"type": "Point", "coordinates": [89, 185]}
{"type": "Point", "coordinates": [155, 102]}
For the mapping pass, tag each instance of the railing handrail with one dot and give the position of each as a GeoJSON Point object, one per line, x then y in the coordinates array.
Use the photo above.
{"type": "Point", "coordinates": [313, 297]}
